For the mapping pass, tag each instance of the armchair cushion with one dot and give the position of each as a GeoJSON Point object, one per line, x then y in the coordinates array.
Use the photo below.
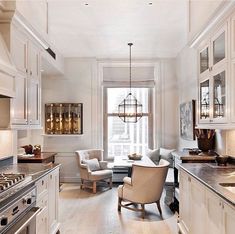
{"type": "Point", "coordinates": [127, 180]}
{"type": "Point", "coordinates": [92, 164]}
{"type": "Point", "coordinates": [103, 164]}
{"type": "Point", "coordinates": [154, 155]}
{"type": "Point", "coordinates": [166, 154]}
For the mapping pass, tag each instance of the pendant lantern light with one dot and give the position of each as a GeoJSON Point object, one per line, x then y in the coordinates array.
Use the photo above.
{"type": "Point", "coordinates": [130, 110]}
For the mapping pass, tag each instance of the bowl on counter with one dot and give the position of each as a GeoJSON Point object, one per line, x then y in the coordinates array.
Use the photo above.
{"type": "Point", "coordinates": [221, 160]}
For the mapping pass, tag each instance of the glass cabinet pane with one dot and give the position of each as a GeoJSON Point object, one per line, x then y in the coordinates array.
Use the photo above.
{"type": "Point", "coordinates": [66, 119]}
{"type": "Point", "coordinates": [219, 95]}
{"type": "Point", "coordinates": [204, 100]}
{"type": "Point", "coordinates": [219, 48]}
{"type": "Point", "coordinates": [204, 60]}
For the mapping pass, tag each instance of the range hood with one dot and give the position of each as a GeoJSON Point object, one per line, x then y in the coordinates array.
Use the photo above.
{"type": "Point", "coordinates": [7, 71]}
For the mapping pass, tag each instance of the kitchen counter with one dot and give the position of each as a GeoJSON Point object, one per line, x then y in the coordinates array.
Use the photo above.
{"type": "Point", "coordinates": [44, 157]}
{"type": "Point", "coordinates": [211, 177]}
{"type": "Point", "coordinates": [35, 171]}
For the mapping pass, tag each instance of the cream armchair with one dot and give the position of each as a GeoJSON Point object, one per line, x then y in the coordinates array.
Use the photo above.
{"type": "Point", "coordinates": [92, 168]}
{"type": "Point", "coordinates": [145, 186]}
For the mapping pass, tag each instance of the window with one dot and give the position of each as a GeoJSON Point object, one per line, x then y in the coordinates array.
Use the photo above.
{"type": "Point", "coordinates": [124, 138]}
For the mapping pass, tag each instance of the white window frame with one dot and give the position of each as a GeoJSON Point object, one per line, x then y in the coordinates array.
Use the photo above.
{"type": "Point", "coordinates": [106, 115]}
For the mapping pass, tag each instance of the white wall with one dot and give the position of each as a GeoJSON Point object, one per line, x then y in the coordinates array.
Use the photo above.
{"type": "Point", "coordinates": [200, 11]}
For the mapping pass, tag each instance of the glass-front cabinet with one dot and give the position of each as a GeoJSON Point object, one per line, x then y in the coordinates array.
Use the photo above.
{"type": "Point", "coordinates": [63, 118]}
{"type": "Point", "coordinates": [212, 98]}
{"type": "Point", "coordinates": [213, 93]}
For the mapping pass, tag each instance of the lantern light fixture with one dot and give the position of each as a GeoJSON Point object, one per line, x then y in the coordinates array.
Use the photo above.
{"type": "Point", "coordinates": [130, 110]}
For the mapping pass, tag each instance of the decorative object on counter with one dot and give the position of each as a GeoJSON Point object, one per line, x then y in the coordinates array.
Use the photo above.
{"type": "Point", "coordinates": [37, 149]}
{"type": "Point", "coordinates": [134, 156]}
{"type": "Point", "coordinates": [187, 120]}
{"type": "Point", "coordinates": [130, 110]}
{"type": "Point", "coordinates": [64, 118]}
{"type": "Point", "coordinates": [206, 140]}
{"type": "Point", "coordinates": [28, 149]}
{"type": "Point", "coordinates": [221, 160]}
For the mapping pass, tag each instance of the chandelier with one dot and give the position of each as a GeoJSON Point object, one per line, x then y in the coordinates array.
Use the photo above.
{"type": "Point", "coordinates": [130, 110]}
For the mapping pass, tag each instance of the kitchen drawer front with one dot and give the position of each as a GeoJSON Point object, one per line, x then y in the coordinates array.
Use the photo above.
{"type": "Point", "coordinates": [42, 185]}
{"type": "Point", "coordinates": [42, 200]}
{"type": "Point", "coordinates": [42, 222]}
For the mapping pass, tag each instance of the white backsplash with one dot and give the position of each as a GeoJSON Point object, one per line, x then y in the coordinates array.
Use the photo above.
{"type": "Point", "coordinates": [230, 142]}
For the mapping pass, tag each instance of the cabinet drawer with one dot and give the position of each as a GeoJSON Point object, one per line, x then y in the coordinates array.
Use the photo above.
{"type": "Point", "coordinates": [42, 222]}
{"type": "Point", "coordinates": [42, 200]}
{"type": "Point", "coordinates": [42, 185]}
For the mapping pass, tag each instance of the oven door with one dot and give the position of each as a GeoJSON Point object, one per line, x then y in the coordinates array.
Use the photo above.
{"type": "Point", "coordinates": [27, 224]}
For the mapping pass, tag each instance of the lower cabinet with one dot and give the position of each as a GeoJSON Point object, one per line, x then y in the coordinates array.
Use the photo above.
{"type": "Point", "coordinates": [201, 210]}
{"type": "Point", "coordinates": [47, 200]}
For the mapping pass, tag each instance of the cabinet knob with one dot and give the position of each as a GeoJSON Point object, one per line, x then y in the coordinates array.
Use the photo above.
{"type": "Point", "coordinates": [189, 179]}
{"type": "Point", "coordinates": [31, 73]}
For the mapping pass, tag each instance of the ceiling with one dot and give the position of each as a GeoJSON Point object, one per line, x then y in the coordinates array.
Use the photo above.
{"type": "Point", "coordinates": [102, 28]}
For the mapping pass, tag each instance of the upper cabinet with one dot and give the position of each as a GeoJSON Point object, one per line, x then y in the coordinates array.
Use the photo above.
{"type": "Point", "coordinates": [26, 106]}
{"type": "Point", "coordinates": [213, 78]}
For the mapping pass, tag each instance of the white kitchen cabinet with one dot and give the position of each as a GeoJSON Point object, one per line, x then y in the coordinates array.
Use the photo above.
{"type": "Point", "coordinates": [214, 213]}
{"type": "Point", "coordinates": [198, 206]}
{"type": "Point", "coordinates": [184, 204]}
{"type": "Point", "coordinates": [213, 79]}
{"type": "Point", "coordinates": [26, 106]}
{"type": "Point", "coordinates": [47, 200]}
{"type": "Point", "coordinates": [202, 210]}
{"type": "Point", "coordinates": [53, 196]}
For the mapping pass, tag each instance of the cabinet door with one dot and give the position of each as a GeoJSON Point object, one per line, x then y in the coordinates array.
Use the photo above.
{"type": "Point", "coordinates": [184, 208]}
{"type": "Point", "coordinates": [198, 208]}
{"type": "Point", "coordinates": [19, 102]}
{"type": "Point", "coordinates": [53, 196]}
{"type": "Point", "coordinates": [219, 47]}
{"type": "Point", "coordinates": [204, 60]}
{"type": "Point", "coordinates": [214, 213]}
{"type": "Point", "coordinates": [19, 49]}
{"type": "Point", "coordinates": [34, 61]}
{"type": "Point", "coordinates": [204, 103]}
{"type": "Point", "coordinates": [219, 81]}
{"type": "Point", "coordinates": [33, 102]}
{"type": "Point", "coordinates": [229, 217]}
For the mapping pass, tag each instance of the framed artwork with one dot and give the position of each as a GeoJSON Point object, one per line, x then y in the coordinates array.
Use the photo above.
{"type": "Point", "coordinates": [187, 120]}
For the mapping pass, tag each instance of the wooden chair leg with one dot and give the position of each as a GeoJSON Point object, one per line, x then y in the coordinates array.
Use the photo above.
{"type": "Point", "coordinates": [119, 204]}
{"type": "Point", "coordinates": [143, 211]}
{"type": "Point", "coordinates": [82, 184]}
{"type": "Point", "coordinates": [110, 183]}
{"type": "Point", "coordinates": [159, 207]}
{"type": "Point", "coordinates": [94, 186]}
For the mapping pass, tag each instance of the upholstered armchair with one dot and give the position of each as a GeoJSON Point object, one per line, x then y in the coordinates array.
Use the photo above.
{"type": "Point", "coordinates": [92, 168]}
{"type": "Point", "coordinates": [145, 186]}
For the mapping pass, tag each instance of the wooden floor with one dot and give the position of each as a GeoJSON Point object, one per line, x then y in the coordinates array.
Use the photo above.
{"type": "Point", "coordinates": [86, 213]}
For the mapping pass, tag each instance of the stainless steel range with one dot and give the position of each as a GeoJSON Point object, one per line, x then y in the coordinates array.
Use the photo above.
{"type": "Point", "coordinates": [17, 204]}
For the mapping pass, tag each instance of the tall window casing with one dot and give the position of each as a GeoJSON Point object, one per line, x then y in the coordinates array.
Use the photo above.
{"type": "Point", "coordinates": [121, 139]}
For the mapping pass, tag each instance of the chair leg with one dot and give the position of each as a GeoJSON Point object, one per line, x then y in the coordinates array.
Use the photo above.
{"type": "Point", "coordinates": [159, 207]}
{"type": "Point", "coordinates": [143, 211]}
{"type": "Point", "coordinates": [94, 186]}
{"type": "Point", "coordinates": [110, 183]}
{"type": "Point", "coordinates": [82, 184]}
{"type": "Point", "coordinates": [119, 204]}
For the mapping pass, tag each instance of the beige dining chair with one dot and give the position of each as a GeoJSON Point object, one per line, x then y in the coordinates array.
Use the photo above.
{"type": "Point", "coordinates": [92, 168]}
{"type": "Point", "coordinates": [144, 187]}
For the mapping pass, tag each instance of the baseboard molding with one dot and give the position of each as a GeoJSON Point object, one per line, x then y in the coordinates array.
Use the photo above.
{"type": "Point", "coordinates": [70, 179]}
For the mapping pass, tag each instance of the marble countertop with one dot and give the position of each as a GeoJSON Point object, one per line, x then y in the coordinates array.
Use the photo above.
{"type": "Point", "coordinates": [35, 170]}
{"type": "Point", "coordinates": [212, 177]}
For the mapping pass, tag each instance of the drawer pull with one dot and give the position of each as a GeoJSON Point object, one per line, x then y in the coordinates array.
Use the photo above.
{"type": "Point", "coordinates": [42, 182]}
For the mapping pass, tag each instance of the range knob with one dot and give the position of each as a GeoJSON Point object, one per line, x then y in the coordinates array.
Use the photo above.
{"type": "Point", "coordinates": [29, 201]}
{"type": "Point", "coordinates": [4, 221]}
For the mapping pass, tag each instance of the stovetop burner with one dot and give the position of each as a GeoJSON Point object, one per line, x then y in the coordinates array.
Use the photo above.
{"type": "Point", "coordinates": [7, 180]}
